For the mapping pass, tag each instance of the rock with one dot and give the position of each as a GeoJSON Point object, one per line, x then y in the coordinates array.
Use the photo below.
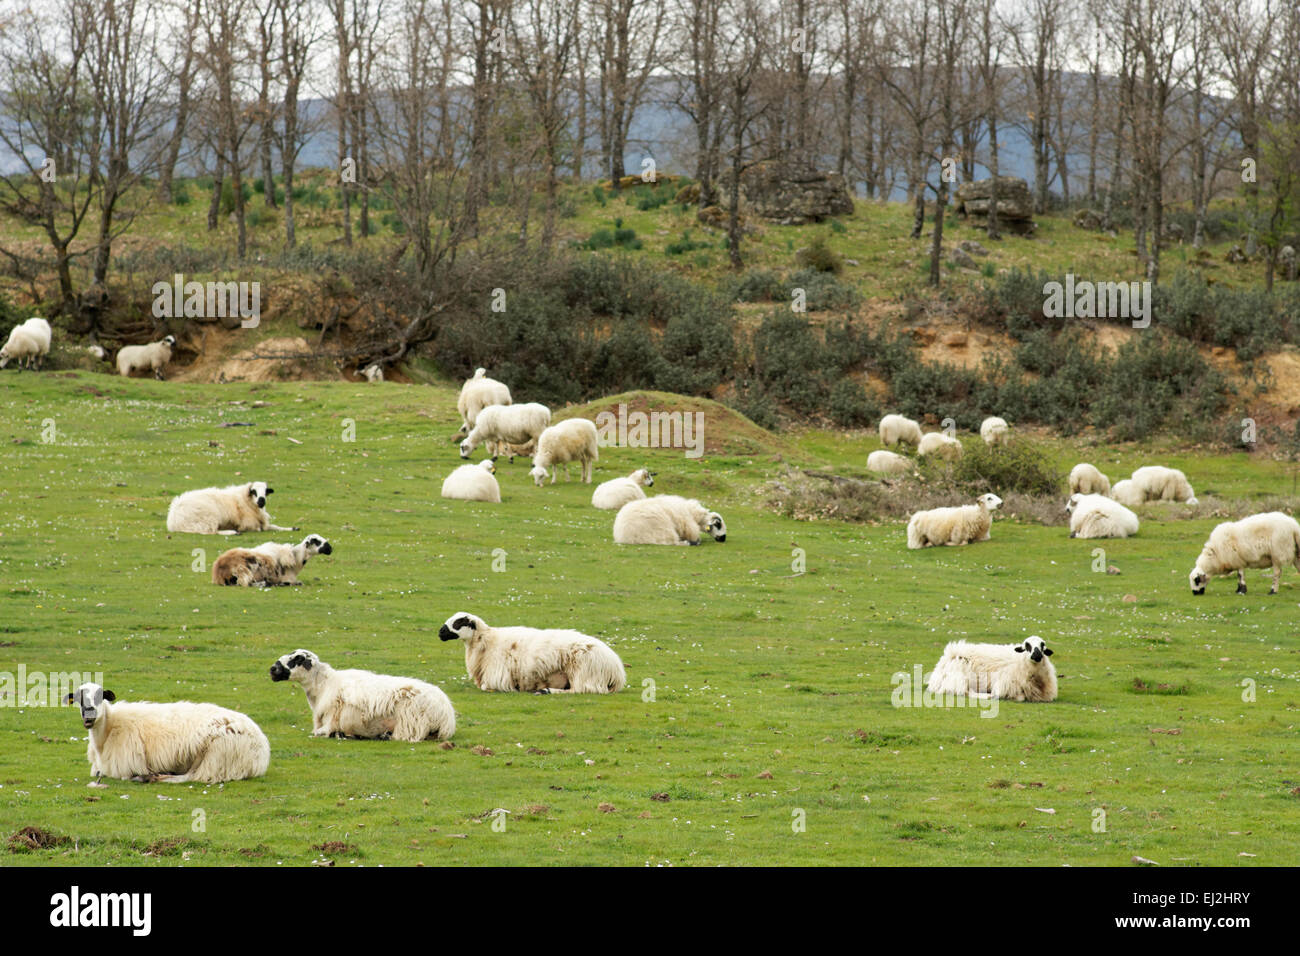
{"type": "Point", "coordinates": [714, 216]}
{"type": "Point", "coordinates": [961, 258]}
{"type": "Point", "coordinates": [794, 194]}
{"type": "Point", "coordinates": [689, 195]}
{"type": "Point", "coordinates": [1015, 208]}
{"type": "Point", "coordinates": [972, 247]}
{"type": "Point", "coordinates": [1234, 254]}
{"type": "Point", "coordinates": [1174, 232]}
{"type": "Point", "coordinates": [1089, 219]}
{"type": "Point", "coordinates": [955, 340]}
{"type": "Point", "coordinates": [922, 336]}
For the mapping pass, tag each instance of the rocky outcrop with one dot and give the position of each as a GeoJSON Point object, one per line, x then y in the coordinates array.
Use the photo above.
{"type": "Point", "coordinates": [794, 193]}
{"type": "Point", "coordinates": [1015, 208]}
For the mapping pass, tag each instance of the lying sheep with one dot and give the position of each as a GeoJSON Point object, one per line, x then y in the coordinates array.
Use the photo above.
{"type": "Point", "coordinates": [477, 394]}
{"type": "Point", "coordinates": [223, 510]}
{"type": "Point", "coordinates": [534, 660]}
{"type": "Point", "coordinates": [666, 519]}
{"type": "Point", "coordinates": [1267, 540]}
{"type": "Point", "coordinates": [137, 358]}
{"type": "Point", "coordinates": [572, 440]}
{"type": "Point", "coordinates": [1158, 483]}
{"type": "Point", "coordinates": [1087, 480]}
{"type": "Point", "coordinates": [1007, 672]}
{"type": "Point", "coordinates": [615, 493]}
{"type": "Point", "coordinates": [888, 463]}
{"type": "Point", "coordinates": [473, 483]}
{"type": "Point", "coordinates": [267, 565]}
{"type": "Point", "coordinates": [169, 743]}
{"type": "Point", "coordinates": [357, 703]}
{"type": "Point", "coordinates": [498, 425]}
{"type": "Point", "coordinates": [994, 431]}
{"type": "Point", "coordinates": [940, 445]}
{"type": "Point", "coordinates": [22, 348]}
{"type": "Point", "coordinates": [1127, 493]}
{"type": "Point", "coordinates": [1096, 516]}
{"type": "Point", "coordinates": [953, 526]}
{"type": "Point", "coordinates": [896, 428]}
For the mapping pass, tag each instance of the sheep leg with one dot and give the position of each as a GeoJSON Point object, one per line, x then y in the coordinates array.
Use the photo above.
{"type": "Point", "coordinates": [1277, 578]}
{"type": "Point", "coordinates": [1241, 581]}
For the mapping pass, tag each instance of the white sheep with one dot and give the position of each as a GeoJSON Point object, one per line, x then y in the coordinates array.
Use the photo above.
{"type": "Point", "coordinates": [1127, 493]}
{"type": "Point", "coordinates": [615, 493]}
{"type": "Point", "coordinates": [357, 703]}
{"type": "Point", "coordinates": [1097, 516]}
{"type": "Point", "coordinates": [953, 526]}
{"type": "Point", "coordinates": [22, 348]}
{"type": "Point", "coordinates": [897, 428]}
{"type": "Point", "coordinates": [1008, 672]}
{"type": "Point", "coordinates": [477, 394]}
{"type": "Point", "coordinates": [1085, 479]}
{"type": "Point", "coordinates": [96, 351]}
{"type": "Point", "coordinates": [39, 328]}
{"type": "Point", "coordinates": [374, 372]}
{"type": "Point", "coordinates": [169, 743]}
{"type": "Point", "coordinates": [268, 564]}
{"type": "Point", "coordinates": [940, 445]}
{"type": "Point", "coordinates": [1158, 483]}
{"type": "Point", "coordinates": [473, 483]}
{"type": "Point", "coordinates": [1267, 540]}
{"type": "Point", "coordinates": [499, 425]}
{"type": "Point", "coordinates": [666, 519]}
{"type": "Point", "coordinates": [535, 660]}
{"type": "Point", "coordinates": [222, 510]}
{"type": "Point", "coordinates": [888, 463]}
{"type": "Point", "coordinates": [572, 440]}
{"type": "Point", "coordinates": [154, 356]}
{"type": "Point", "coordinates": [994, 431]}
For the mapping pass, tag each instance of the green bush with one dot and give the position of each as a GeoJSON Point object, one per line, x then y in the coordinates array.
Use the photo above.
{"type": "Point", "coordinates": [685, 244]}
{"type": "Point", "coordinates": [851, 406]}
{"type": "Point", "coordinates": [789, 362]}
{"type": "Point", "coordinates": [1021, 465]}
{"type": "Point", "coordinates": [819, 256]}
{"type": "Point", "coordinates": [821, 290]}
{"type": "Point", "coordinates": [756, 285]}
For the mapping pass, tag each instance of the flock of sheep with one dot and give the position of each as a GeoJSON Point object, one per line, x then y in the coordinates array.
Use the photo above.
{"type": "Point", "coordinates": [29, 343]}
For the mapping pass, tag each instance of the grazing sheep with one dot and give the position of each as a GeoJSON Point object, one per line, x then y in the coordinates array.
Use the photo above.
{"type": "Point", "coordinates": [666, 519]}
{"type": "Point", "coordinates": [1087, 480]}
{"type": "Point", "coordinates": [994, 431]}
{"type": "Point", "coordinates": [1008, 672]}
{"type": "Point", "coordinates": [1267, 540]}
{"type": "Point", "coordinates": [615, 493]}
{"type": "Point", "coordinates": [572, 440]}
{"type": "Point", "coordinates": [357, 703]}
{"type": "Point", "coordinates": [269, 564]}
{"type": "Point", "coordinates": [535, 660]}
{"type": "Point", "coordinates": [477, 394]}
{"type": "Point", "coordinates": [526, 450]}
{"type": "Point", "coordinates": [897, 428]}
{"type": "Point", "coordinates": [154, 356]}
{"type": "Point", "coordinates": [473, 483]}
{"type": "Point", "coordinates": [169, 743]}
{"type": "Point", "coordinates": [1127, 493]}
{"type": "Point", "coordinates": [223, 510]}
{"type": "Point", "coordinates": [940, 445]}
{"type": "Point", "coordinates": [1096, 516]}
{"type": "Point", "coordinates": [373, 372]}
{"type": "Point", "coordinates": [40, 329]}
{"type": "Point", "coordinates": [499, 425]}
{"type": "Point", "coordinates": [953, 526]}
{"type": "Point", "coordinates": [888, 463]}
{"type": "Point", "coordinates": [1158, 483]}
{"type": "Point", "coordinates": [22, 347]}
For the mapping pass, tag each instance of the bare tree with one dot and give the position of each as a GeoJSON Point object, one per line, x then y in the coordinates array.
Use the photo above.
{"type": "Point", "coordinates": [183, 31]}
{"type": "Point", "coordinates": [297, 36]}
{"type": "Point", "coordinates": [224, 59]}
{"type": "Point", "coordinates": [632, 31]}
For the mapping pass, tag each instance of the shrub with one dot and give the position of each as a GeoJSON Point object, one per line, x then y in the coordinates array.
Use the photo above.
{"type": "Point", "coordinates": [685, 244]}
{"type": "Point", "coordinates": [1021, 465]}
{"type": "Point", "coordinates": [821, 290]}
{"type": "Point", "coordinates": [789, 362]}
{"type": "Point", "coordinates": [851, 406]}
{"type": "Point", "coordinates": [756, 285]}
{"type": "Point", "coordinates": [819, 256]}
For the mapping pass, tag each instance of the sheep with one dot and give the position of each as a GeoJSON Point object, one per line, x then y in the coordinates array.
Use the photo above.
{"type": "Point", "coordinates": [572, 440]}
{"type": "Point", "coordinates": [35, 330]}
{"type": "Point", "coordinates": [897, 428]}
{"type": "Point", "coordinates": [1158, 483]}
{"type": "Point", "coordinates": [96, 351]}
{"type": "Point", "coordinates": [1008, 672]}
{"type": "Point", "coordinates": [180, 742]}
{"type": "Point", "coordinates": [268, 564]}
{"type": "Point", "coordinates": [888, 463]}
{"type": "Point", "coordinates": [40, 329]}
{"type": "Point", "coordinates": [615, 493]}
{"type": "Point", "coordinates": [994, 431]}
{"type": "Point", "coordinates": [940, 445]}
{"type": "Point", "coordinates": [1127, 493]}
{"type": "Point", "coordinates": [357, 703]}
{"type": "Point", "coordinates": [1097, 516]}
{"type": "Point", "coordinates": [1260, 541]}
{"type": "Point", "coordinates": [155, 356]}
{"type": "Point", "coordinates": [666, 519]}
{"type": "Point", "coordinates": [534, 660]}
{"type": "Point", "coordinates": [373, 372]}
{"type": "Point", "coordinates": [1085, 479]}
{"type": "Point", "coordinates": [22, 347]}
{"type": "Point", "coordinates": [953, 526]}
{"type": "Point", "coordinates": [473, 483]}
{"type": "Point", "coordinates": [223, 510]}
{"type": "Point", "coordinates": [477, 394]}
{"type": "Point", "coordinates": [509, 424]}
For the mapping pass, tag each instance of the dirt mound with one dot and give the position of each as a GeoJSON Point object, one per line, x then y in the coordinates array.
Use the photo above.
{"type": "Point", "coordinates": [287, 359]}
{"type": "Point", "coordinates": [724, 430]}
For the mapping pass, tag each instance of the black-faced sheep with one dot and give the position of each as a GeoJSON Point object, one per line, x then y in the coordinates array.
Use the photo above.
{"type": "Point", "coordinates": [953, 526]}
{"type": "Point", "coordinates": [269, 564]}
{"type": "Point", "coordinates": [534, 660]}
{"type": "Point", "coordinates": [154, 357]}
{"type": "Point", "coordinates": [357, 703]}
{"type": "Point", "coordinates": [1267, 540]}
{"type": "Point", "coordinates": [1008, 672]}
{"type": "Point", "coordinates": [222, 510]}
{"type": "Point", "coordinates": [666, 519]}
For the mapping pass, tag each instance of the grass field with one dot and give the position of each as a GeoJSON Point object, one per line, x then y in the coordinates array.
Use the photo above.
{"type": "Point", "coordinates": [759, 698]}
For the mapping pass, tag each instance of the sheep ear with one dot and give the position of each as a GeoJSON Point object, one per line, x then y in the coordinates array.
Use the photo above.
{"type": "Point", "coordinates": [109, 695]}
{"type": "Point", "coordinates": [1047, 651]}
{"type": "Point", "coordinates": [1019, 649]}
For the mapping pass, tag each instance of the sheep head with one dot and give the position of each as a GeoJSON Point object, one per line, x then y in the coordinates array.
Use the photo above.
{"type": "Point", "coordinates": [990, 501]}
{"type": "Point", "coordinates": [315, 544]}
{"type": "Point", "coordinates": [1073, 503]}
{"type": "Point", "coordinates": [1035, 647]}
{"type": "Point", "coordinates": [465, 448]}
{"type": "Point", "coordinates": [488, 465]}
{"type": "Point", "coordinates": [294, 666]}
{"type": "Point", "coordinates": [461, 626]}
{"type": "Point", "coordinates": [257, 490]}
{"type": "Point", "coordinates": [1198, 579]}
{"type": "Point", "coordinates": [716, 526]}
{"type": "Point", "coordinates": [538, 474]}
{"type": "Point", "coordinates": [90, 697]}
